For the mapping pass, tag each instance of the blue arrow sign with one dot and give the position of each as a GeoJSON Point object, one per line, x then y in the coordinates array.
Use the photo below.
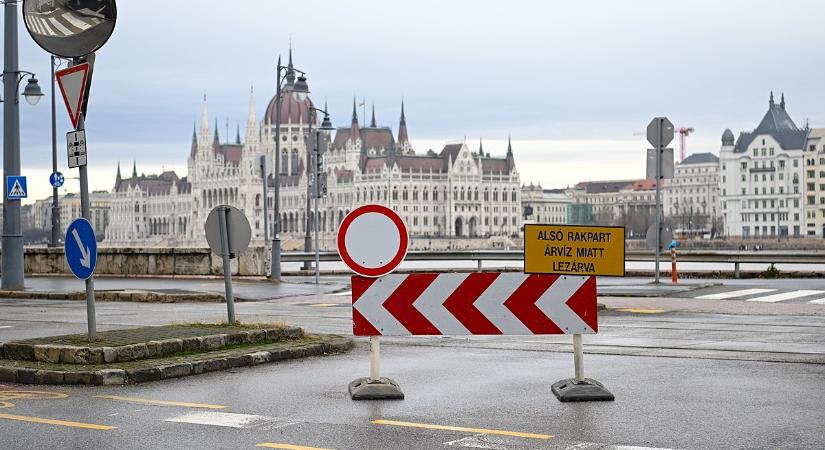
{"type": "Point", "coordinates": [81, 248]}
{"type": "Point", "coordinates": [16, 187]}
{"type": "Point", "coordinates": [56, 179]}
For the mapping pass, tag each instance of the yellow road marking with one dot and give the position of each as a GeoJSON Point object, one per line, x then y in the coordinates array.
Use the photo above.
{"type": "Point", "coordinates": [64, 423]}
{"type": "Point", "coordinates": [642, 311]}
{"type": "Point", "coordinates": [462, 429]}
{"type": "Point", "coordinates": [323, 305]}
{"type": "Point", "coordinates": [146, 401]}
{"type": "Point", "coordinates": [7, 395]}
{"type": "Point", "coordinates": [288, 446]}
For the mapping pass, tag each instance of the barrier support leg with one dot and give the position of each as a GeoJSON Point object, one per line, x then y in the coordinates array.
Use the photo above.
{"type": "Point", "coordinates": [375, 387]}
{"type": "Point", "coordinates": [580, 389]}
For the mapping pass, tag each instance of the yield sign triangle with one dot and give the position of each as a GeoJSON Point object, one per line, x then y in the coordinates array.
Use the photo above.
{"type": "Point", "coordinates": [72, 82]}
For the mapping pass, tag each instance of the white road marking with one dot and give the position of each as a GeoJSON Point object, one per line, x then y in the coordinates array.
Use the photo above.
{"type": "Point", "coordinates": [819, 301]}
{"type": "Point", "coordinates": [485, 441]}
{"type": "Point", "coordinates": [76, 22]}
{"type": "Point", "coordinates": [220, 419]}
{"type": "Point", "coordinates": [785, 296]}
{"type": "Point", "coordinates": [733, 294]}
{"type": "Point", "coordinates": [342, 294]}
{"type": "Point", "coordinates": [5, 326]}
{"type": "Point", "coordinates": [60, 27]}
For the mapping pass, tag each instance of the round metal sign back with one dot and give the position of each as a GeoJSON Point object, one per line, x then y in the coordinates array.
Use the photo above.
{"type": "Point", "coordinates": [70, 28]}
{"type": "Point", "coordinates": [237, 227]}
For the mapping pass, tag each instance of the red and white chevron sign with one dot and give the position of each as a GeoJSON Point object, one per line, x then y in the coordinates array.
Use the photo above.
{"type": "Point", "coordinates": [473, 303]}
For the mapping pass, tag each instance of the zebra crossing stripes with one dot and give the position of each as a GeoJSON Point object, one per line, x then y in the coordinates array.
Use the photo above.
{"type": "Point", "coordinates": [819, 301]}
{"type": "Point", "coordinates": [60, 26]}
{"type": "Point", "coordinates": [785, 296]}
{"type": "Point", "coordinates": [734, 294]}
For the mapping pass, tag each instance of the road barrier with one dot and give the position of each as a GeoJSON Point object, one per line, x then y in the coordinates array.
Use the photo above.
{"type": "Point", "coordinates": [674, 277]}
{"type": "Point", "coordinates": [459, 304]}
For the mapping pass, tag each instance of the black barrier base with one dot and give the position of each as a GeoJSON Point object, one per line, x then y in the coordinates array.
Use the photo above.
{"type": "Point", "coordinates": [381, 389]}
{"type": "Point", "coordinates": [588, 390]}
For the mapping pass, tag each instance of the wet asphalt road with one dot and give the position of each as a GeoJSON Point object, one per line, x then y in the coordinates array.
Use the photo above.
{"type": "Point", "coordinates": [681, 380]}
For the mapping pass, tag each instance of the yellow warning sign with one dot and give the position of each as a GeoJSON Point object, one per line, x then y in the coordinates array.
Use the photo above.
{"type": "Point", "coordinates": [574, 250]}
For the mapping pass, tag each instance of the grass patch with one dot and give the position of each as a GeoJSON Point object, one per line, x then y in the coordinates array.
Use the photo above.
{"type": "Point", "coordinates": [116, 338]}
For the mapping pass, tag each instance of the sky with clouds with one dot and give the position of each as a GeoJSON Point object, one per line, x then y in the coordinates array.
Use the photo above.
{"type": "Point", "coordinates": [570, 81]}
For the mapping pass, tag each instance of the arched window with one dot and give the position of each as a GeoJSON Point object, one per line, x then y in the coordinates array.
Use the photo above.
{"type": "Point", "coordinates": [426, 194]}
{"type": "Point", "coordinates": [257, 200]}
{"type": "Point", "coordinates": [495, 195]}
{"type": "Point", "coordinates": [462, 193]}
{"type": "Point", "coordinates": [475, 194]}
{"type": "Point", "coordinates": [404, 194]}
{"type": "Point", "coordinates": [395, 193]}
{"type": "Point", "coordinates": [294, 168]}
{"type": "Point", "coordinates": [435, 195]}
{"type": "Point", "coordinates": [284, 162]}
{"type": "Point", "coordinates": [486, 195]}
{"type": "Point", "coordinates": [415, 194]}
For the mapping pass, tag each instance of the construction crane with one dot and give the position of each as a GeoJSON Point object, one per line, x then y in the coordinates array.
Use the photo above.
{"type": "Point", "coordinates": [683, 132]}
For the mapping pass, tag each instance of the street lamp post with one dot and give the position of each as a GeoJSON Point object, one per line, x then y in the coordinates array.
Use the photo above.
{"type": "Point", "coordinates": [326, 127]}
{"type": "Point", "coordinates": [12, 239]}
{"type": "Point", "coordinates": [55, 237]}
{"type": "Point", "coordinates": [275, 273]}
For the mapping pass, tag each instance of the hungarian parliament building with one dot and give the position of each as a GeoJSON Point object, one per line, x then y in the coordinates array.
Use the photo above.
{"type": "Point", "coordinates": [454, 193]}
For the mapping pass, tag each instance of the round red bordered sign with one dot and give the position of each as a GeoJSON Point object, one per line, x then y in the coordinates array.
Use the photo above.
{"type": "Point", "coordinates": [372, 240]}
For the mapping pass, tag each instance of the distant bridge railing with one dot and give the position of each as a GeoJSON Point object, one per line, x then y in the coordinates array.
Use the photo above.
{"type": "Point", "coordinates": [697, 256]}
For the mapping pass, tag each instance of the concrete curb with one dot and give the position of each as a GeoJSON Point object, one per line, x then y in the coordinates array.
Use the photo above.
{"type": "Point", "coordinates": [120, 296]}
{"type": "Point", "coordinates": [104, 377]}
{"type": "Point", "coordinates": [70, 354]}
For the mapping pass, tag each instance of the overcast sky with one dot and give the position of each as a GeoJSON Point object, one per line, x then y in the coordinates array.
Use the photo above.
{"type": "Point", "coordinates": [570, 81]}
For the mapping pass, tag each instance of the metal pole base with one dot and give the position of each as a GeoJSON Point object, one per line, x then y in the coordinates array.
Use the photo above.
{"type": "Point", "coordinates": [379, 389]}
{"type": "Point", "coordinates": [589, 390]}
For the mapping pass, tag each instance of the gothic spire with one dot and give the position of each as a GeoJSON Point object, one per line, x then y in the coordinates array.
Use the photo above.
{"type": "Point", "coordinates": [117, 177]}
{"type": "Point", "coordinates": [480, 147]}
{"type": "Point", "coordinates": [290, 71]}
{"type": "Point", "coordinates": [509, 146]}
{"type": "Point", "coordinates": [238, 134]}
{"type": "Point", "coordinates": [216, 139]}
{"type": "Point", "coordinates": [204, 133]}
{"type": "Point", "coordinates": [354, 112]}
{"type": "Point", "coordinates": [134, 168]}
{"type": "Point", "coordinates": [372, 121]}
{"type": "Point", "coordinates": [782, 101]}
{"type": "Point", "coordinates": [194, 148]}
{"type": "Point", "coordinates": [770, 102]}
{"type": "Point", "coordinates": [355, 130]}
{"type": "Point", "coordinates": [403, 137]}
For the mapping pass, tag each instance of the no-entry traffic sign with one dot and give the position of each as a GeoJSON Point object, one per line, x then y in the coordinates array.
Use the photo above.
{"type": "Point", "coordinates": [372, 240]}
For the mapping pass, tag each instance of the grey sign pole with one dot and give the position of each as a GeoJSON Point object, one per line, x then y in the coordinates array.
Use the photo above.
{"type": "Point", "coordinates": [227, 268]}
{"type": "Point", "coordinates": [659, 134]}
{"type": "Point", "coordinates": [85, 210]}
{"type": "Point", "coordinates": [266, 207]}
{"type": "Point", "coordinates": [85, 207]}
{"type": "Point", "coordinates": [12, 231]}
{"type": "Point", "coordinates": [317, 196]}
{"type": "Point", "coordinates": [55, 195]}
{"type": "Point", "coordinates": [658, 197]}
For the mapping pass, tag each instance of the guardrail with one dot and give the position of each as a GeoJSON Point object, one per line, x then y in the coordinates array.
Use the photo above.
{"type": "Point", "coordinates": [703, 256]}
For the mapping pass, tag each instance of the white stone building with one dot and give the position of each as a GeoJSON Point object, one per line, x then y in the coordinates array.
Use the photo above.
{"type": "Point", "coordinates": [762, 177]}
{"type": "Point", "coordinates": [544, 205]}
{"type": "Point", "coordinates": [455, 193]}
{"type": "Point", "coordinates": [815, 183]}
{"type": "Point", "coordinates": [100, 208]}
{"type": "Point", "coordinates": [628, 203]}
{"type": "Point", "coordinates": [690, 200]}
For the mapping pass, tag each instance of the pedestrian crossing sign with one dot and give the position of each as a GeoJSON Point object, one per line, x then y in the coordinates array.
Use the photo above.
{"type": "Point", "coordinates": [16, 187]}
